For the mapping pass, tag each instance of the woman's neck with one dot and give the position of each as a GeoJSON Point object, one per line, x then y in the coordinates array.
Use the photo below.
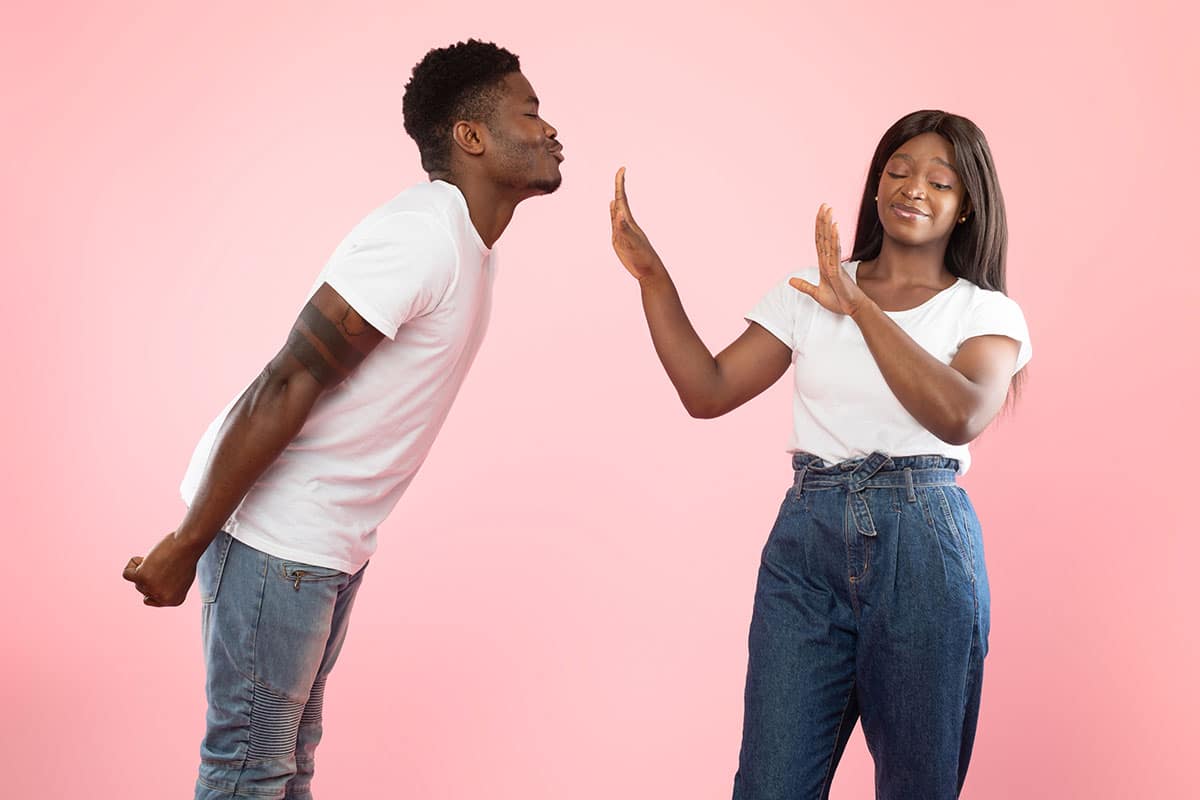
{"type": "Point", "coordinates": [899, 265]}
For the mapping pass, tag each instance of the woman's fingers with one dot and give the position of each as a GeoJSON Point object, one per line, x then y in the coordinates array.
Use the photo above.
{"type": "Point", "coordinates": [620, 198]}
{"type": "Point", "coordinates": [817, 235]}
{"type": "Point", "coordinates": [803, 286]}
{"type": "Point", "coordinates": [827, 253]}
{"type": "Point", "coordinates": [829, 243]}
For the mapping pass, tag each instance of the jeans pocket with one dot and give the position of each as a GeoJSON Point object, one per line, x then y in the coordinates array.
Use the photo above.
{"type": "Point", "coordinates": [956, 532]}
{"type": "Point", "coordinates": [211, 566]}
{"type": "Point", "coordinates": [297, 574]}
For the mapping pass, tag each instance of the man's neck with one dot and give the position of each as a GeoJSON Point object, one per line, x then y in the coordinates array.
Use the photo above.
{"type": "Point", "coordinates": [489, 206]}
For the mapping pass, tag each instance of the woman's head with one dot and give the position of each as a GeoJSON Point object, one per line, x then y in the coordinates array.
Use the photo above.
{"type": "Point", "coordinates": [949, 190]}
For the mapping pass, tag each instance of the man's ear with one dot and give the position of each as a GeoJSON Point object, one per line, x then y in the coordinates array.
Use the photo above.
{"type": "Point", "coordinates": [469, 136]}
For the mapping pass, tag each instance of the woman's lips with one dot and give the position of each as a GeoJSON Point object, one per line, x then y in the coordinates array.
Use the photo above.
{"type": "Point", "coordinates": [909, 213]}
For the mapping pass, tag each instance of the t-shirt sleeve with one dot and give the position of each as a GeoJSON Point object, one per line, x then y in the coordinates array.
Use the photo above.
{"type": "Point", "coordinates": [784, 311]}
{"type": "Point", "coordinates": [393, 270]}
{"type": "Point", "coordinates": [997, 314]}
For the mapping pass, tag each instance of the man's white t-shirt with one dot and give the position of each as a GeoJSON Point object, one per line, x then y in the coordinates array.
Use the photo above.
{"type": "Point", "coordinates": [416, 270]}
{"type": "Point", "coordinates": [842, 407]}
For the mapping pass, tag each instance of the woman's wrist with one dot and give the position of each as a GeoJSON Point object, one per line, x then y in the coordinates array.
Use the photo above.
{"type": "Point", "coordinates": [866, 308]}
{"type": "Point", "coordinates": [655, 277]}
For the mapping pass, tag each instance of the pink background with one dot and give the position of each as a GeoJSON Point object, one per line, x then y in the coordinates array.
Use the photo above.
{"type": "Point", "coordinates": [559, 608]}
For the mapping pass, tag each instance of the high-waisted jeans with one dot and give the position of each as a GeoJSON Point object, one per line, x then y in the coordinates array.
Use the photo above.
{"type": "Point", "coordinates": [872, 602]}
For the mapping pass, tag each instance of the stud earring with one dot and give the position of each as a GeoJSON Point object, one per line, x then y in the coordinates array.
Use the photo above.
{"type": "Point", "coordinates": [961, 220]}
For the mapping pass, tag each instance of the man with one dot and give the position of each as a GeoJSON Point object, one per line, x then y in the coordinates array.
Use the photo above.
{"type": "Point", "coordinates": [288, 485]}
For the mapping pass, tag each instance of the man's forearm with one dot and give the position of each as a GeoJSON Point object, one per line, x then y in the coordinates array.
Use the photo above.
{"type": "Point", "coordinates": [259, 426]}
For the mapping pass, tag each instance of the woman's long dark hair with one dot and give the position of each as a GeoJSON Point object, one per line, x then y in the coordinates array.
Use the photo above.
{"type": "Point", "coordinates": [978, 246]}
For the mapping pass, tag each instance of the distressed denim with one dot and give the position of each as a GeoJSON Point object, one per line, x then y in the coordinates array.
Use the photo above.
{"type": "Point", "coordinates": [272, 631]}
{"type": "Point", "coordinates": [872, 603]}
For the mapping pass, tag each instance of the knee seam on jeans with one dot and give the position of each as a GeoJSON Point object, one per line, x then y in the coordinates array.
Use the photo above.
{"type": "Point", "coordinates": [315, 704]}
{"type": "Point", "coordinates": [274, 724]}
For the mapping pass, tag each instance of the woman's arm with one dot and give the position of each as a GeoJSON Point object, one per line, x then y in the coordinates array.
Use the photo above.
{"type": "Point", "coordinates": [954, 401]}
{"type": "Point", "coordinates": [708, 386]}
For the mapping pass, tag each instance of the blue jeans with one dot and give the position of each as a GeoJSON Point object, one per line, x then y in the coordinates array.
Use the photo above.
{"type": "Point", "coordinates": [272, 633]}
{"type": "Point", "coordinates": [872, 602]}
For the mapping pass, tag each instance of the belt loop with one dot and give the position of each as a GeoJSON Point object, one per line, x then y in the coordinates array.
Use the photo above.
{"type": "Point", "coordinates": [799, 486]}
{"type": "Point", "coordinates": [908, 484]}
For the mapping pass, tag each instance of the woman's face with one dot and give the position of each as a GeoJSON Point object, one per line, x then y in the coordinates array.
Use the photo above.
{"type": "Point", "coordinates": [921, 196]}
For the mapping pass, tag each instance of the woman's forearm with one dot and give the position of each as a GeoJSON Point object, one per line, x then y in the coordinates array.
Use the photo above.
{"type": "Point", "coordinates": [688, 362]}
{"type": "Point", "coordinates": [941, 398]}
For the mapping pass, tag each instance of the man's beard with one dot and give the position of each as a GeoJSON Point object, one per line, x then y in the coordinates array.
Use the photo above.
{"type": "Point", "coordinates": [546, 185]}
{"type": "Point", "coordinates": [514, 154]}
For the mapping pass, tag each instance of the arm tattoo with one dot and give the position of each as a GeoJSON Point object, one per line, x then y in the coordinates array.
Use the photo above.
{"type": "Point", "coordinates": [352, 327]}
{"type": "Point", "coordinates": [313, 360]}
{"type": "Point", "coordinates": [333, 336]}
{"type": "Point", "coordinates": [327, 349]}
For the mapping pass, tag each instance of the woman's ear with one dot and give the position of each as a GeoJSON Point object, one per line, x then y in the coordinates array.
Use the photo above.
{"type": "Point", "coordinates": [965, 212]}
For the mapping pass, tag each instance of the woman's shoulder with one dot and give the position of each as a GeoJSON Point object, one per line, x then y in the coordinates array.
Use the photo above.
{"type": "Point", "coordinates": [977, 297]}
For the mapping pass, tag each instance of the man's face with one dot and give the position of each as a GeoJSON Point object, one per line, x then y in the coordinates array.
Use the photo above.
{"type": "Point", "coordinates": [525, 153]}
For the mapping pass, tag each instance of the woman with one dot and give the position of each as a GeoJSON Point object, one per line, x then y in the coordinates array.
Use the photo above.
{"type": "Point", "coordinates": [872, 596]}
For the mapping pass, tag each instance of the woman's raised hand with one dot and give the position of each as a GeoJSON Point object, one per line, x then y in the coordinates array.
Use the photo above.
{"type": "Point", "coordinates": [628, 240]}
{"type": "Point", "coordinates": [836, 291]}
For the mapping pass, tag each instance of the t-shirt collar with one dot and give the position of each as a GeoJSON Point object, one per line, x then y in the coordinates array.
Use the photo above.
{"type": "Point", "coordinates": [462, 201]}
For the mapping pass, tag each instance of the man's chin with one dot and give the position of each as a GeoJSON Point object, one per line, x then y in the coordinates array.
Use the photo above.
{"type": "Point", "coordinates": [547, 186]}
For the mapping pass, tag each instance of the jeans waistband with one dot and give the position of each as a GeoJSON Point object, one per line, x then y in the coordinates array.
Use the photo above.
{"type": "Point", "coordinates": [874, 472]}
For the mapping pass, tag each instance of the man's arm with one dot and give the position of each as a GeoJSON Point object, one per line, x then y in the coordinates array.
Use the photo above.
{"type": "Point", "coordinates": [328, 340]}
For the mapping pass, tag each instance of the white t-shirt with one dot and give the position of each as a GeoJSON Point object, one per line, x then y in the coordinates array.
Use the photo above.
{"type": "Point", "coordinates": [417, 270]}
{"type": "Point", "coordinates": [842, 407]}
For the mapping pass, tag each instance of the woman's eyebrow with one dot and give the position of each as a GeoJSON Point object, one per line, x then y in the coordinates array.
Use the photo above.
{"type": "Point", "coordinates": [907, 158]}
{"type": "Point", "coordinates": [945, 163]}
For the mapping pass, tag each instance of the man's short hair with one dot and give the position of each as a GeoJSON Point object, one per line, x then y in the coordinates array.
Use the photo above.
{"type": "Point", "coordinates": [449, 84]}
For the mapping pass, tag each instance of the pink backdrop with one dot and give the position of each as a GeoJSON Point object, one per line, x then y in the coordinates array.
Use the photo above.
{"type": "Point", "coordinates": [559, 608]}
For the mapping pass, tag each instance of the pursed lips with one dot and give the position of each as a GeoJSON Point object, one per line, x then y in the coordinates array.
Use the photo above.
{"type": "Point", "coordinates": [557, 152]}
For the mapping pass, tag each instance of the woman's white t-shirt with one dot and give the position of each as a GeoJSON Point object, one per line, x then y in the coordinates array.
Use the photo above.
{"type": "Point", "coordinates": [842, 407]}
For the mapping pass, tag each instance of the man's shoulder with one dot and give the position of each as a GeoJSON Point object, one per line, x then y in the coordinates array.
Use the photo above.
{"type": "Point", "coordinates": [435, 200]}
{"type": "Point", "coordinates": [426, 210]}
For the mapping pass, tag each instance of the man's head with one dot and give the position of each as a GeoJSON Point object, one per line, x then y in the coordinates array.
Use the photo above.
{"type": "Point", "coordinates": [468, 106]}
